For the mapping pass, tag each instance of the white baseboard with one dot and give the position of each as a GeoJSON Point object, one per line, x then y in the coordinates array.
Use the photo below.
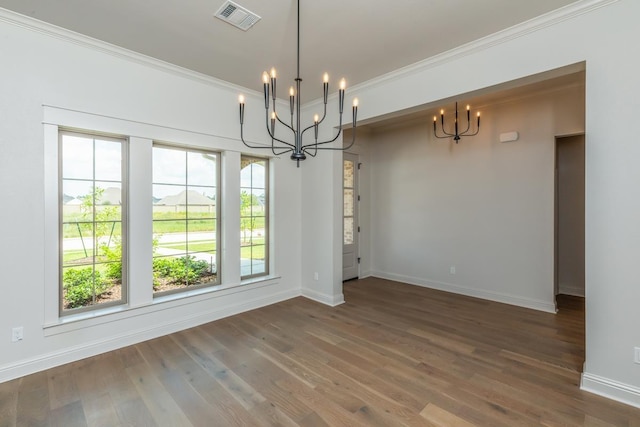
{"type": "Point", "coordinates": [330, 300]}
{"type": "Point", "coordinates": [571, 290]}
{"type": "Point", "coordinates": [610, 389]}
{"type": "Point", "coordinates": [547, 306]}
{"type": "Point", "coordinates": [364, 274]}
{"type": "Point", "coordinates": [78, 352]}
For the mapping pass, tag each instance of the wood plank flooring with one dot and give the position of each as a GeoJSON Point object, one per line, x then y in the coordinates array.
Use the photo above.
{"type": "Point", "coordinates": [393, 355]}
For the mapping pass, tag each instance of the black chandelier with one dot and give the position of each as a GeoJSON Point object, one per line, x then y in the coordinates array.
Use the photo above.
{"type": "Point", "coordinates": [297, 148]}
{"type": "Point", "coordinates": [456, 132]}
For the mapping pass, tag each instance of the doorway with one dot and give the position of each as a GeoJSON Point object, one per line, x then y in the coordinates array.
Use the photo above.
{"type": "Point", "coordinates": [350, 226]}
{"type": "Point", "coordinates": [570, 216]}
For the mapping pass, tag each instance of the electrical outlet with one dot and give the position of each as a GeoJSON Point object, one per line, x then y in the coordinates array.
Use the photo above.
{"type": "Point", "coordinates": [452, 269]}
{"type": "Point", "coordinates": [17, 334]}
{"type": "Point", "coordinates": [316, 276]}
{"type": "Point", "coordinates": [636, 355]}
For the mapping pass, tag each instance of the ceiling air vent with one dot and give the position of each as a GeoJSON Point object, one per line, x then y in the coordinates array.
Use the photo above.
{"type": "Point", "coordinates": [237, 15]}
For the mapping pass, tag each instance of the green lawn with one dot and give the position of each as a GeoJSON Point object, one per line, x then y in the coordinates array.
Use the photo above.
{"type": "Point", "coordinates": [196, 246]}
{"type": "Point", "coordinates": [164, 222]}
{"type": "Point", "coordinates": [257, 252]}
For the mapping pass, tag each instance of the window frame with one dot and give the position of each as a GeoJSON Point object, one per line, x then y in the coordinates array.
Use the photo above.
{"type": "Point", "coordinates": [218, 212]}
{"type": "Point", "coordinates": [124, 183]}
{"type": "Point", "coordinates": [141, 302]}
{"type": "Point", "coordinates": [267, 222]}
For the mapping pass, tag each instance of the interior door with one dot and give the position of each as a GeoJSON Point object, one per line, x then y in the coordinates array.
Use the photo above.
{"type": "Point", "coordinates": [350, 229]}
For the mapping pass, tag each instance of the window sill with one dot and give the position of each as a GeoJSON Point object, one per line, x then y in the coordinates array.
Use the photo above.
{"type": "Point", "coordinates": [165, 302]}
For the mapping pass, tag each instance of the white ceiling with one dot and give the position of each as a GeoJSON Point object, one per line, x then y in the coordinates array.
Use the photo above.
{"type": "Point", "coordinates": [356, 39]}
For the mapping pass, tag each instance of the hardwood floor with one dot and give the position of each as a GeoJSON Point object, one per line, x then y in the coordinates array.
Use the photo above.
{"type": "Point", "coordinates": [393, 355]}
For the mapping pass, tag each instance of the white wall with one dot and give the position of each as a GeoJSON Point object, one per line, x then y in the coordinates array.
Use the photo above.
{"type": "Point", "coordinates": [39, 69]}
{"type": "Point", "coordinates": [599, 33]}
{"type": "Point", "coordinates": [54, 78]}
{"type": "Point", "coordinates": [483, 207]}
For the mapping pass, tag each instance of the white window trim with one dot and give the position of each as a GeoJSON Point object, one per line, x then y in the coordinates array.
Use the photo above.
{"type": "Point", "coordinates": [141, 137]}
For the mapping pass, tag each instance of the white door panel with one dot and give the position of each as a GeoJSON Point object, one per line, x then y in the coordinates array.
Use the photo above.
{"type": "Point", "coordinates": [350, 217]}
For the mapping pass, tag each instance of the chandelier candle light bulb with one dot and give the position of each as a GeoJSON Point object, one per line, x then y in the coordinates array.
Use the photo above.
{"type": "Point", "coordinates": [343, 85]}
{"type": "Point", "coordinates": [325, 87]}
{"type": "Point", "coordinates": [265, 81]}
{"type": "Point", "coordinates": [273, 123]}
{"type": "Point", "coordinates": [355, 109]}
{"type": "Point", "coordinates": [273, 86]}
{"type": "Point", "coordinates": [315, 125]}
{"type": "Point", "coordinates": [241, 101]}
{"type": "Point", "coordinates": [292, 99]}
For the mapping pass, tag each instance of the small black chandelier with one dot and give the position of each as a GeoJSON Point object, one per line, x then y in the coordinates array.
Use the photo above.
{"type": "Point", "coordinates": [297, 148]}
{"type": "Point", "coordinates": [456, 132]}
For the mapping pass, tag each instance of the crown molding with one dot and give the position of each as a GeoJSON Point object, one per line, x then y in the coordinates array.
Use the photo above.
{"type": "Point", "coordinates": [543, 21]}
{"type": "Point", "coordinates": [73, 37]}
{"type": "Point", "coordinates": [549, 19]}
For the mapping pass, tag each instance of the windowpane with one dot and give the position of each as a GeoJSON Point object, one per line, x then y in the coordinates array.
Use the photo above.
{"type": "Point", "coordinates": [348, 174]}
{"type": "Point", "coordinates": [108, 201]}
{"type": "Point", "coordinates": [78, 244]}
{"type": "Point", "coordinates": [201, 238]}
{"type": "Point", "coordinates": [109, 164]}
{"type": "Point", "coordinates": [202, 203]}
{"type": "Point", "coordinates": [185, 215]}
{"type": "Point", "coordinates": [348, 202]}
{"type": "Point", "coordinates": [77, 200]}
{"type": "Point", "coordinates": [91, 229]}
{"type": "Point", "coordinates": [201, 169]}
{"type": "Point", "coordinates": [169, 166]}
{"type": "Point", "coordinates": [348, 231]}
{"type": "Point", "coordinates": [170, 237]}
{"type": "Point", "coordinates": [254, 223]}
{"type": "Point", "coordinates": [169, 202]}
{"type": "Point", "coordinates": [77, 157]}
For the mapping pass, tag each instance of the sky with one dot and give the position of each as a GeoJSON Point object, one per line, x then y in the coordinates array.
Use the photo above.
{"type": "Point", "coordinates": [78, 164]}
{"type": "Point", "coordinates": [170, 168]}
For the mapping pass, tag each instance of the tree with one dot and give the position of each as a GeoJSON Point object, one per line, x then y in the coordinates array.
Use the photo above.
{"type": "Point", "coordinates": [247, 221]}
{"type": "Point", "coordinates": [103, 220]}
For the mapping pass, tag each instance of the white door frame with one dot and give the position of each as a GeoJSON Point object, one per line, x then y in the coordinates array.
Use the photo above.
{"type": "Point", "coordinates": [351, 251]}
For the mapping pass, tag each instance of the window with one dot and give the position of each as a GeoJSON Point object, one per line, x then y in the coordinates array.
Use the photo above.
{"type": "Point", "coordinates": [254, 218]}
{"type": "Point", "coordinates": [185, 218]}
{"type": "Point", "coordinates": [348, 197]}
{"type": "Point", "coordinates": [92, 231]}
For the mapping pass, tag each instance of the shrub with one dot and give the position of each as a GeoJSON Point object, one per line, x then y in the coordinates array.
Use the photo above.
{"type": "Point", "coordinates": [183, 271]}
{"type": "Point", "coordinates": [81, 285]}
{"type": "Point", "coordinates": [163, 266]}
{"type": "Point", "coordinates": [114, 256]}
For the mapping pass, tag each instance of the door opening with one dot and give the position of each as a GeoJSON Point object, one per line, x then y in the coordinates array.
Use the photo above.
{"type": "Point", "coordinates": [350, 227]}
{"type": "Point", "coordinates": [570, 216]}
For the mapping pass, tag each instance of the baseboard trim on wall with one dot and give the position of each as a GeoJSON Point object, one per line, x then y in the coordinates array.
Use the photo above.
{"type": "Point", "coordinates": [364, 274]}
{"type": "Point", "coordinates": [571, 290]}
{"type": "Point", "coordinates": [610, 389]}
{"type": "Point", "coordinates": [330, 300]}
{"type": "Point", "coordinates": [539, 305]}
{"type": "Point", "coordinates": [72, 354]}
